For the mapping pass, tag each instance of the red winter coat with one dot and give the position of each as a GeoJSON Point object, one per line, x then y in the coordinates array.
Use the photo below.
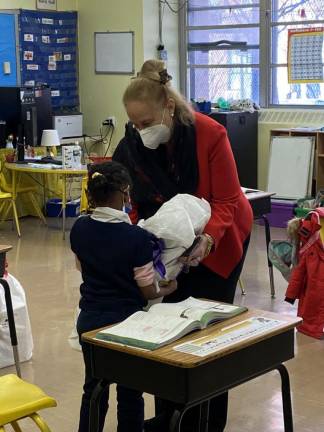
{"type": "Point", "coordinates": [307, 284]}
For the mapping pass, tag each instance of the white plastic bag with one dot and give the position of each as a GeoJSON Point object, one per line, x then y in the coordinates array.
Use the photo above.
{"type": "Point", "coordinates": [23, 329]}
{"type": "Point", "coordinates": [73, 339]}
{"type": "Point", "coordinates": [177, 223]}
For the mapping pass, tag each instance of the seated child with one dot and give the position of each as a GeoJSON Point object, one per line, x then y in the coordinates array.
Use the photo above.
{"type": "Point", "coordinates": [115, 260]}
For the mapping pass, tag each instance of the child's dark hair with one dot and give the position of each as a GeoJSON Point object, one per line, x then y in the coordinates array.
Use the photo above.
{"type": "Point", "coordinates": [105, 179]}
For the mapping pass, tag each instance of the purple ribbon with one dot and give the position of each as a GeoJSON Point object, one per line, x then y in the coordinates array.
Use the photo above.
{"type": "Point", "coordinates": [158, 247]}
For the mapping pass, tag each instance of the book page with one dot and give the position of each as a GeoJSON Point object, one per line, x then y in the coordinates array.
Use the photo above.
{"type": "Point", "coordinates": [191, 308]}
{"type": "Point", "coordinates": [148, 327]}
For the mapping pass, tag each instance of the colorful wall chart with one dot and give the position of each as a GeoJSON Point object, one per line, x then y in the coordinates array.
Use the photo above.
{"type": "Point", "coordinates": [305, 58]}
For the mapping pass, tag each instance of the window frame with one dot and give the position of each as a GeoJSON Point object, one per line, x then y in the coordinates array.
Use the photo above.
{"type": "Point", "coordinates": [266, 66]}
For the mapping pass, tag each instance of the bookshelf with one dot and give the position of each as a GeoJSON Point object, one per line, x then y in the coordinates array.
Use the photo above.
{"type": "Point", "coordinates": [318, 174]}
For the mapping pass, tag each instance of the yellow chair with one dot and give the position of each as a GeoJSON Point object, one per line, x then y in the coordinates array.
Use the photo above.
{"type": "Point", "coordinates": [6, 197]}
{"type": "Point", "coordinates": [5, 186]}
{"type": "Point", "coordinates": [20, 399]}
{"type": "Point", "coordinates": [84, 198]}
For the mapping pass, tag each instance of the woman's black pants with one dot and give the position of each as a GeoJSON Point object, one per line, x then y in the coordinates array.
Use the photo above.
{"type": "Point", "coordinates": [204, 283]}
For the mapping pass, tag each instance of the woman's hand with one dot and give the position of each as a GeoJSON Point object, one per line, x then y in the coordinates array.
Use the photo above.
{"type": "Point", "coordinates": [167, 288]}
{"type": "Point", "coordinates": [199, 252]}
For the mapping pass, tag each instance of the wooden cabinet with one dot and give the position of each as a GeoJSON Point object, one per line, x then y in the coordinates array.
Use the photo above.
{"type": "Point", "coordinates": [318, 173]}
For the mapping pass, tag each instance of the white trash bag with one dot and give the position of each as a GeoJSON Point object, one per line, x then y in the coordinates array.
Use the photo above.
{"type": "Point", "coordinates": [177, 223]}
{"type": "Point", "coordinates": [23, 328]}
{"type": "Point", "coordinates": [73, 338]}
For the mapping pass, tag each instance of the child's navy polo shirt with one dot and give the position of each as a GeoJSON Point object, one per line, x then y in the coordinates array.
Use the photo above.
{"type": "Point", "coordinates": [108, 253]}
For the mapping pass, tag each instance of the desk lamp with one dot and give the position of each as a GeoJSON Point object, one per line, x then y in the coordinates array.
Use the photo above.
{"type": "Point", "coordinates": [50, 139]}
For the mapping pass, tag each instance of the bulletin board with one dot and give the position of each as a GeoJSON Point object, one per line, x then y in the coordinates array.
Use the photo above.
{"type": "Point", "coordinates": [114, 53]}
{"type": "Point", "coordinates": [49, 51]}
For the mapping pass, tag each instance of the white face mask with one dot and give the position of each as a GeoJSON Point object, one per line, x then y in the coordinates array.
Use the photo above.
{"type": "Point", "coordinates": [155, 135]}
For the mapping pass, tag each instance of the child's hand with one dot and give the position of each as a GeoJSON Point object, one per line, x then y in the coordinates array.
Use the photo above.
{"type": "Point", "coordinates": [167, 287]}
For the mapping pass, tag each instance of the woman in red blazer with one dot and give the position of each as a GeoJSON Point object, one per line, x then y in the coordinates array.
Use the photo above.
{"type": "Point", "coordinates": [169, 149]}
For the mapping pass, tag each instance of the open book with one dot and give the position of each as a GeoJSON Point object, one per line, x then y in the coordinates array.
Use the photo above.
{"type": "Point", "coordinates": [167, 322]}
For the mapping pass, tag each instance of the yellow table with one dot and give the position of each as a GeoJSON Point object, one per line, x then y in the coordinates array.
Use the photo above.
{"type": "Point", "coordinates": [18, 169]}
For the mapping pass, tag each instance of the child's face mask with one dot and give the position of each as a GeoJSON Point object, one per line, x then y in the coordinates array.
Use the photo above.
{"type": "Point", "coordinates": [155, 135]}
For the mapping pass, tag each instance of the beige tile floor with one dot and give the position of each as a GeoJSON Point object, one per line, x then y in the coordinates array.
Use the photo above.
{"type": "Point", "coordinates": [42, 261]}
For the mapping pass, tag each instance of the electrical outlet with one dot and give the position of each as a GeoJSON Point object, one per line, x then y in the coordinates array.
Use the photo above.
{"type": "Point", "coordinates": [110, 121]}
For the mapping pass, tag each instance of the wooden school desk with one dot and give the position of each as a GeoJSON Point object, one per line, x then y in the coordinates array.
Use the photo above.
{"type": "Point", "coordinates": [18, 169]}
{"type": "Point", "coordinates": [189, 380]}
{"type": "Point", "coordinates": [260, 202]}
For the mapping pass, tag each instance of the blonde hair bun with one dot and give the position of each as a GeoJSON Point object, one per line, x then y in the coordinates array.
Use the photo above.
{"type": "Point", "coordinates": [152, 86]}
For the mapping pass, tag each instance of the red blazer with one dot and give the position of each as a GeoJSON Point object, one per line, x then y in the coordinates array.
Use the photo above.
{"type": "Point", "coordinates": [231, 213]}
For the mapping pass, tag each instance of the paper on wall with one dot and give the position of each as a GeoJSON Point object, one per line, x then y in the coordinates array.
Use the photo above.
{"type": "Point", "coordinates": [28, 37]}
{"type": "Point", "coordinates": [32, 67]}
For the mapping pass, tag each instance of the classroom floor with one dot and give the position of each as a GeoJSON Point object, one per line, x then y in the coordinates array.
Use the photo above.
{"type": "Point", "coordinates": [43, 263]}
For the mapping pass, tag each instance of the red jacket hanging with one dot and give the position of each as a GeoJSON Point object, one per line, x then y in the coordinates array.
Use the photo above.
{"type": "Point", "coordinates": [307, 279]}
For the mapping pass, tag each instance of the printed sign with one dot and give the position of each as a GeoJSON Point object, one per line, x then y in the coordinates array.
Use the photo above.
{"type": "Point", "coordinates": [228, 336]}
{"type": "Point", "coordinates": [67, 57]}
{"type": "Point", "coordinates": [46, 39]}
{"type": "Point", "coordinates": [28, 37]}
{"type": "Point", "coordinates": [52, 66]}
{"type": "Point", "coordinates": [51, 59]}
{"type": "Point", "coordinates": [62, 40]}
{"type": "Point", "coordinates": [32, 67]}
{"type": "Point", "coordinates": [55, 93]}
{"type": "Point", "coordinates": [30, 83]}
{"type": "Point", "coordinates": [28, 55]}
{"type": "Point", "coordinates": [58, 56]}
{"type": "Point", "coordinates": [47, 21]}
{"type": "Point", "coordinates": [46, 4]}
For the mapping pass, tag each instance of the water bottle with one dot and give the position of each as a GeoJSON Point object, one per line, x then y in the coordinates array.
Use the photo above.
{"type": "Point", "coordinates": [20, 151]}
{"type": "Point", "coordinates": [9, 144]}
{"type": "Point", "coordinates": [77, 153]}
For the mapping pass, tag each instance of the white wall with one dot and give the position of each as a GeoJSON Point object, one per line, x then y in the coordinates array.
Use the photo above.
{"type": "Point", "coordinates": [169, 35]}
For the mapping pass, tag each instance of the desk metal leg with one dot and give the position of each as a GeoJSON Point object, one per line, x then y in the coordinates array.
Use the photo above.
{"type": "Point", "coordinates": [204, 414]}
{"type": "Point", "coordinates": [94, 405]}
{"type": "Point", "coordinates": [270, 267]}
{"type": "Point", "coordinates": [286, 399]}
{"type": "Point", "coordinates": [175, 422]}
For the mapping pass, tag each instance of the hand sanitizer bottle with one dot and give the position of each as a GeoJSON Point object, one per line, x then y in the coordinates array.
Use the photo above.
{"type": "Point", "coordinates": [9, 144]}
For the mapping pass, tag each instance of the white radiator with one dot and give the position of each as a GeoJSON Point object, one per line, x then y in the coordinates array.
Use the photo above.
{"type": "Point", "coordinates": [276, 119]}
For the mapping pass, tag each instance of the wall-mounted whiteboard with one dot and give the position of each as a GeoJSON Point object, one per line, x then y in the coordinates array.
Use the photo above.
{"type": "Point", "coordinates": [114, 52]}
{"type": "Point", "coordinates": [291, 166]}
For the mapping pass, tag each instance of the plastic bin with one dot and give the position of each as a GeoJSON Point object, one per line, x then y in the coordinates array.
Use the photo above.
{"type": "Point", "coordinates": [281, 212]}
{"type": "Point", "coordinates": [54, 208]}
